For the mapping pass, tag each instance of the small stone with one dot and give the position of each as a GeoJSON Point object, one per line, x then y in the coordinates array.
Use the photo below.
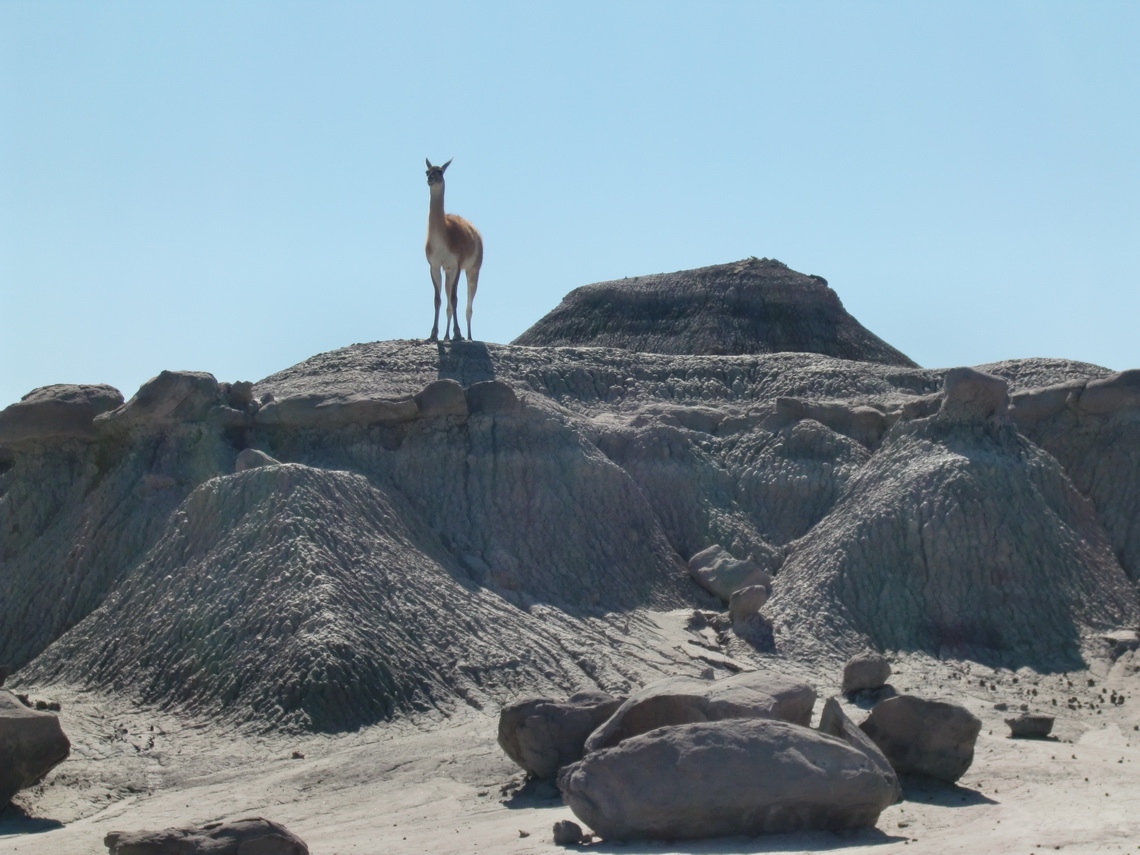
{"type": "Point", "coordinates": [567, 833]}
{"type": "Point", "coordinates": [1030, 726]}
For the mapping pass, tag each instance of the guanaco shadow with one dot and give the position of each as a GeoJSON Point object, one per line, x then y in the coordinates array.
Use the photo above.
{"type": "Point", "coordinates": [466, 362]}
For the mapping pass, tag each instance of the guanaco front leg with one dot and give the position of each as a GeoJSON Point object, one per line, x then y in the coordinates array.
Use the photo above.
{"type": "Point", "coordinates": [435, 280]}
{"type": "Point", "coordinates": [453, 305]}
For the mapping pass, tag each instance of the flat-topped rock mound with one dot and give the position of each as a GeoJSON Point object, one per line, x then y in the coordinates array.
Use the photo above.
{"type": "Point", "coordinates": [750, 306]}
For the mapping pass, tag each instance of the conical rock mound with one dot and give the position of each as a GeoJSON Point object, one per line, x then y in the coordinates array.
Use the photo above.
{"type": "Point", "coordinates": [751, 306]}
{"type": "Point", "coordinates": [303, 597]}
{"type": "Point", "coordinates": [958, 537]}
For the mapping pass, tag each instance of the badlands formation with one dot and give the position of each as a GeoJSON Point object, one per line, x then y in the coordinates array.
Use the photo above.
{"type": "Point", "coordinates": [308, 598]}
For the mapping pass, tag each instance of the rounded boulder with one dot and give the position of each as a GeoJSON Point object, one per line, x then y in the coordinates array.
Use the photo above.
{"type": "Point", "coordinates": [725, 778]}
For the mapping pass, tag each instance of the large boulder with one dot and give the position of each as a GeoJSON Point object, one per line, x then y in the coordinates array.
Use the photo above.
{"type": "Point", "coordinates": [745, 603]}
{"type": "Point", "coordinates": [834, 721]}
{"type": "Point", "coordinates": [682, 700]}
{"type": "Point", "coordinates": [924, 737]}
{"type": "Point", "coordinates": [713, 779]}
{"type": "Point", "coordinates": [253, 836]}
{"type": "Point", "coordinates": [715, 570]}
{"type": "Point", "coordinates": [543, 735]}
{"type": "Point", "coordinates": [866, 670]}
{"type": "Point", "coordinates": [169, 398]}
{"type": "Point", "coordinates": [32, 743]}
{"type": "Point", "coordinates": [969, 395]}
{"type": "Point", "coordinates": [1118, 392]}
{"type": "Point", "coordinates": [56, 412]}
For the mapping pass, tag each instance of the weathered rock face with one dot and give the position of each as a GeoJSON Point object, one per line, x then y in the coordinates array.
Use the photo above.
{"type": "Point", "coordinates": [77, 513]}
{"type": "Point", "coordinates": [552, 493]}
{"type": "Point", "coordinates": [959, 537]}
{"type": "Point", "coordinates": [924, 737]}
{"type": "Point", "coordinates": [680, 700]}
{"type": "Point", "coordinates": [32, 743]}
{"type": "Point", "coordinates": [752, 306]}
{"type": "Point", "coordinates": [542, 735]}
{"type": "Point", "coordinates": [315, 598]}
{"type": "Point", "coordinates": [725, 778]}
{"type": "Point", "coordinates": [254, 836]}
{"type": "Point", "coordinates": [1092, 428]}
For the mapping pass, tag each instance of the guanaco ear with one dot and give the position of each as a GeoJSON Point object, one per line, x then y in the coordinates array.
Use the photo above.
{"type": "Point", "coordinates": [428, 162]}
{"type": "Point", "coordinates": [444, 167]}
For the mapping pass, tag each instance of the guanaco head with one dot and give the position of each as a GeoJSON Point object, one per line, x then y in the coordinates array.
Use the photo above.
{"type": "Point", "coordinates": [435, 173]}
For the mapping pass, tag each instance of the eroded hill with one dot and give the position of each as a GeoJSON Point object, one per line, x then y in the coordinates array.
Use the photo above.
{"type": "Point", "coordinates": [403, 526]}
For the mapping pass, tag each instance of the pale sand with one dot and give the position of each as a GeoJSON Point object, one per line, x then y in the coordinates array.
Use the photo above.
{"type": "Point", "coordinates": [445, 787]}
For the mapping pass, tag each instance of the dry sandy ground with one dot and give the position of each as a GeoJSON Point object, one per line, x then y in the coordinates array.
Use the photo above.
{"type": "Point", "coordinates": [445, 787]}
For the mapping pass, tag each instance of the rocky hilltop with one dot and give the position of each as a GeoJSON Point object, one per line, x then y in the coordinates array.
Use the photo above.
{"type": "Point", "coordinates": [402, 527]}
{"type": "Point", "coordinates": [758, 305]}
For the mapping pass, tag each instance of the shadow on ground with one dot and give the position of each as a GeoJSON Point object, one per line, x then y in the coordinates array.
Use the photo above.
{"type": "Point", "coordinates": [14, 821]}
{"type": "Point", "coordinates": [932, 792]}
{"type": "Point", "coordinates": [806, 841]}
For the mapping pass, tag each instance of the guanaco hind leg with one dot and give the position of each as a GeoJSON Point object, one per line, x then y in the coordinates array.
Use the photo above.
{"type": "Point", "coordinates": [472, 285]}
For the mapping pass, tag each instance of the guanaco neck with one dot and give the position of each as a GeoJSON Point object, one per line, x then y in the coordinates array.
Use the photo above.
{"type": "Point", "coordinates": [435, 211]}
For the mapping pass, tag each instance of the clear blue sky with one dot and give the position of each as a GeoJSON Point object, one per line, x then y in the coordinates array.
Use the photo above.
{"type": "Point", "coordinates": [235, 186]}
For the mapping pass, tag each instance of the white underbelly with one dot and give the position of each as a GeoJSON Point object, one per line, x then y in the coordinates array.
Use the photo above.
{"type": "Point", "coordinates": [441, 256]}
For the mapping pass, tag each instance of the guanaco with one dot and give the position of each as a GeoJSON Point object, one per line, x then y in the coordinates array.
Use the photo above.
{"type": "Point", "coordinates": [453, 245]}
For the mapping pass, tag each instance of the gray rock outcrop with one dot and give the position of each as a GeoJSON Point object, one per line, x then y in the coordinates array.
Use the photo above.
{"type": "Point", "coordinates": [32, 743]}
{"type": "Point", "coordinates": [57, 412]}
{"type": "Point", "coordinates": [722, 778]}
{"type": "Point", "coordinates": [924, 737]}
{"type": "Point", "coordinates": [751, 306]}
{"type": "Point", "coordinates": [315, 598]}
{"type": "Point", "coordinates": [971, 395]}
{"type": "Point", "coordinates": [958, 537]}
{"type": "Point", "coordinates": [542, 735]}
{"type": "Point", "coordinates": [253, 836]}
{"type": "Point", "coordinates": [680, 700]}
{"type": "Point", "coordinates": [425, 492]}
